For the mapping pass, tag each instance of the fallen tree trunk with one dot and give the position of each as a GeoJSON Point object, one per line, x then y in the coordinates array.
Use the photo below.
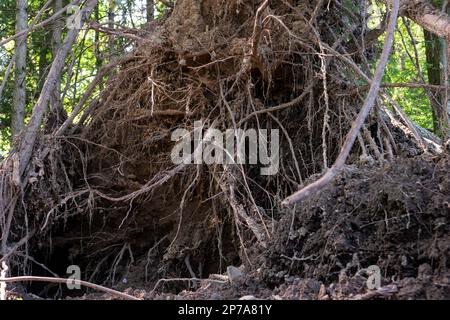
{"type": "Point", "coordinates": [427, 16]}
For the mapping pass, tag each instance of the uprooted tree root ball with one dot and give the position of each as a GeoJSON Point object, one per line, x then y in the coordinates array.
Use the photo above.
{"type": "Point", "coordinates": [104, 194]}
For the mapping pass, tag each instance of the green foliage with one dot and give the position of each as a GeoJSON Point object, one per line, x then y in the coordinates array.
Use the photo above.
{"type": "Point", "coordinates": [7, 12]}
{"type": "Point", "coordinates": [402, 67]}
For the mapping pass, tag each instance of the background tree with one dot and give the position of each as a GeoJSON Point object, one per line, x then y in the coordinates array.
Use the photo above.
{"type": "Point", "coordinates": [20, 69]}
{"type": "Point", "coordinates": [150, 10]}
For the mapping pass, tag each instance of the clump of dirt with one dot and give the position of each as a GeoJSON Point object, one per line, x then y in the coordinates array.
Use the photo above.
{"type": "Point", "coordinates": [395, 216]}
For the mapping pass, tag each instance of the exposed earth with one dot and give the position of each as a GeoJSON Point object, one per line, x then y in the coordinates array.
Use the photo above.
{"type": "Point", "coordinates": [395, 217]}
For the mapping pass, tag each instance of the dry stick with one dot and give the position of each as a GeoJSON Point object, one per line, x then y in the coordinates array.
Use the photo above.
{"type": "Point", "coordinates": [282, 106]}
{"type": "Point", "coordinates": [115, 32]}
{"type": "Point", "coordinates": [156, 182]}
{"type": "Point", "coordinates": [291, 145]}
{"type": "Point", "coordinates": [315, 14]}
{"type": "Point", "coordinates": [71, 282]}
{"type": "Point", "coordinates": [187, 279]}
{"type": "Point", "coordinates": [7, 226]}
{"type": "Point", "coordinates": [257, 30]}
{"type": "Point", "coordinates": [398, 109]}
{"type": "Point", "coordinates": [359, 122]}
{"type": "Point", "coordinates": [405, 119]}
{"type": "Point", "coordinates": [39, 110]}
{"type": "Point", "coordinates": [16, 246]}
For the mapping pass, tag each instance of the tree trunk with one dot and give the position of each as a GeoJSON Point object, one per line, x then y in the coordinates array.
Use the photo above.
{"type": "Point", "coordinates": [57, 109]}
{"type": "Point", "coordinates": [98, 58]}
{"type": "Point", "coordinates": [433, 49]}
{"type": "Point", "coordinates": [20, 69]}
{"type": "Point", "coordinates": [111, 19]}
{"type": "Point", "coordinates": [425, 14]}
{"type": "Point", "coordinates": [150, 10]}
{"type": "Point", "coordinates": [39, 110]}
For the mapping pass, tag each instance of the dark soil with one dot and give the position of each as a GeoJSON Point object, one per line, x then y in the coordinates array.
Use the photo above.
{"type": "Point", "coordinates": [395, 216]}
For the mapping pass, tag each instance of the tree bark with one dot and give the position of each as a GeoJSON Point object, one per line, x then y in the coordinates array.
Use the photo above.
{"type": "Point", "coordinates": [436, 23]}
{"type": "Point", "coordinates": [150, 10]}
{"type": "Point", "coordinates": [6, 76]}
{"type": "Point", "coordinates": [20, 69]}
{"type": "Point", "coordinates": [111, 22]}
{"type": "Point", "coordinates": [98, 57]}
{"type": "Point", "coordinates": [433, 50]}
{"type": "Point", "coordinates": [427, 16]}
{"type": "Point", "coordinates": [57, 109]}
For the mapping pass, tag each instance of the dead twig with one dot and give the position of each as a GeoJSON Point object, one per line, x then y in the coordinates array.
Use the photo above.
{"type": "Point", "coordinates": [187, 279]}
{"type": "Point", "coordinates": [382, 292]}
{"type": "Point", "coordinates": [70, 281]}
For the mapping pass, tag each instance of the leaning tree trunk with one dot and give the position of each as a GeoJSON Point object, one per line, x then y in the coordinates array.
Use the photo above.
{"type": "Point", "coordinates": [98, 58]}
{"type": "Point", "coordinates": [29, 137]}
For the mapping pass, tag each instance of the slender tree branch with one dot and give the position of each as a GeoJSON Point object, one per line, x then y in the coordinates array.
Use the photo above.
{"type": "Point", "coordinates": [359, 122]}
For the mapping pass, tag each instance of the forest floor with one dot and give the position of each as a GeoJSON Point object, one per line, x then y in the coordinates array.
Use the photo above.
{"type": "Point", "coordinates": [395, 217]}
